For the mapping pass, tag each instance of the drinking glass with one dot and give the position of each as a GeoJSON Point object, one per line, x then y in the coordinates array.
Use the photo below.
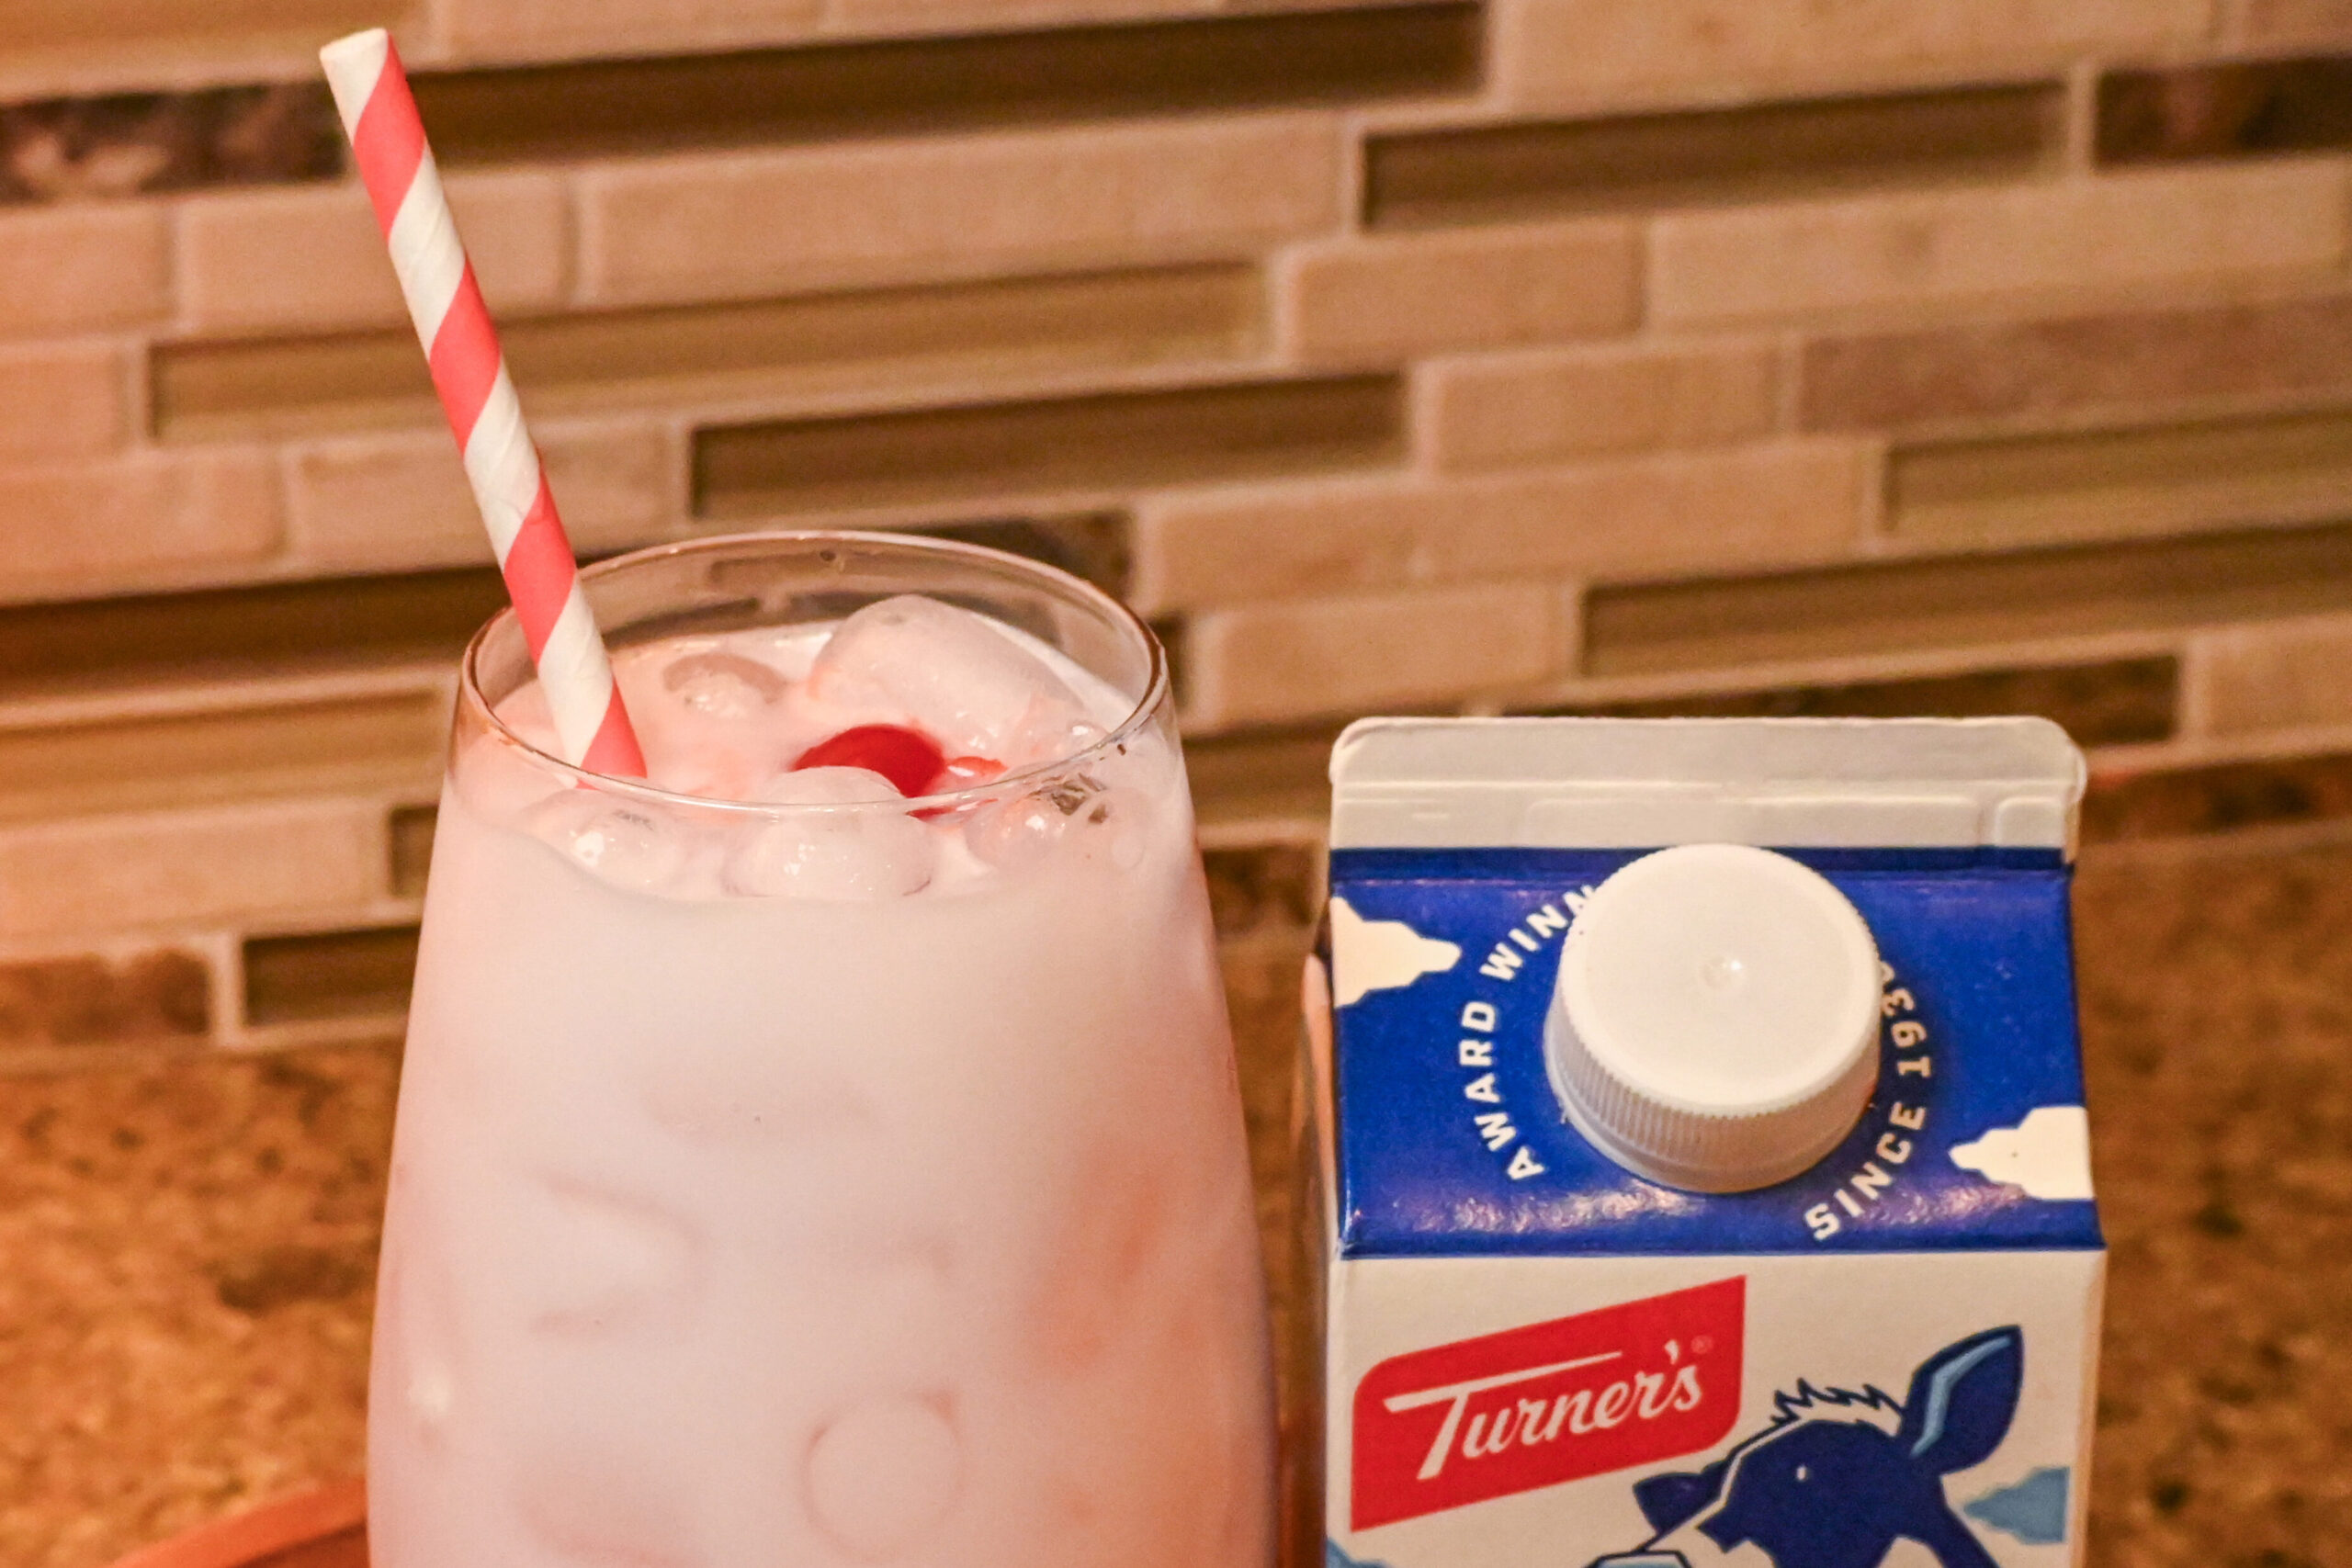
{"type": "Point", "coordinates": [777, 1222]}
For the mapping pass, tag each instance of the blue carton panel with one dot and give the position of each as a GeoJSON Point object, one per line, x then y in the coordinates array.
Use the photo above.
{"type": "Point", "coordinates": [1450, 1140]}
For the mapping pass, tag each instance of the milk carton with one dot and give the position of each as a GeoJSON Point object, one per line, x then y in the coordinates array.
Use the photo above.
{"type": "Point", "coordinates": [1698, 1111]}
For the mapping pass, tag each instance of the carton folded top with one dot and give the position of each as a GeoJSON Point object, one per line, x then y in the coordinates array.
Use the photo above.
{"type": "Point", "coordinates": [1603, 783]}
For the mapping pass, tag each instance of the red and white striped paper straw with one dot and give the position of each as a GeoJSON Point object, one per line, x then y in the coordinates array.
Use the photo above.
{"type": "Point", "coordinates": [371, 93]}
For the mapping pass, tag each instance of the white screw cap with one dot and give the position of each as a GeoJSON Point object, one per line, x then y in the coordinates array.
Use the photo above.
{"type": "Point", "coordinates": [1715, 1025]}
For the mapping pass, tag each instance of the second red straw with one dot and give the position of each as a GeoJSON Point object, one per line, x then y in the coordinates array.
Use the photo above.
{"type": "Point", "coordinates": [510, 484]}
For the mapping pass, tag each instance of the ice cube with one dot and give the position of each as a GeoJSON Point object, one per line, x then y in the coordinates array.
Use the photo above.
{"type": "Point", "coordinates": [787, 649]}
{"type": "Point", "coordinates": [721, 684]}
{"type": "Point", "coordinates": [596, 1505]}
{"type": "Point", "coordinates": [850, 843]}
{"type": "Point", "coordinates": [419, 1337]}
{"type": "Point", "coordinates": [829, 786]}
{"type": "Point", "coordinates": [1056, 740]}
{"type": "Point", "coordinates": [1078, 809]}
{"type": "Point", "coordinates": [883, 1475]}
{"type": "Point", "coordinates": [592, 1261]}
{"type": "Point", "coordinates": [1017, 833]}
{"type": "Point", "coordinates": [1121, 819]}
{"type": "Point", "coordinates": [716, 773]}
{"type": "Point", "coordinates": [949, 673]}
{"type": "Point", "coordinates": [623, 842]}
{"type": "Point", "coordinates": [430, 1393]}
{"type": "Point", "coordinates": [1109, 1240]}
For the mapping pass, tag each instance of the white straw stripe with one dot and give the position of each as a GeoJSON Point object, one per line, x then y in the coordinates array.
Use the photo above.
{"type": "Point", "coordinates": [574, 675]}
{"type": "Point", "coordinates": [501, 464]}
{"type": "Point", "coordinates": [427, 253]}
{"type": "Point", "coordinates": [353, 65]}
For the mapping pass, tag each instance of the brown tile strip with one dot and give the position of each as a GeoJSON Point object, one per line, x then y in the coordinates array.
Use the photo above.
{"type": "Point", "coordinates": [1264, 887]}
{"type": "Point", "coordinates": [2143, 478]}
{"type": "Point", "coordinates": [1282, 774]}
{"type": "Point", "coordinates": [1175, 644]}
{"type": "Point", "coordinates": [1738, 154]}
{"type": "Point", "coordinates": [232, 631]}
{"type": "Point", "coordinates": [2118, 703]}
{"type": "Point", "coordinates": [829, 342]}
{"type": "Point", "coordinates": [918, 86]}
{"type": "Point", "coordinates": [2218, 798]}
{"type": "Point", "coordinates": [124, 144]}
{"type": "Point", "coordinates": [88, 1000]}
{"type": "Point", "coordinates": [1888, 380]}
{"type": "Point", "coordinates": [347, 973]}
{"type": "Point", "coordinates": [1197, 433]}
{"type": "Point", "coordinates": [180, 760]}
{"type": "Point", "coordinates": [1957, 602]}
{"type": "Point", "coordinates": [122, 25]}
{"type": "Point", "coordinates": [410, 835]}
{"type": "Point", "coordinates": [1093, 546]}
{"type": "Point", "coordinates": [1262, 774]}
{"type": "Point", "coordinates": [2228, 109]}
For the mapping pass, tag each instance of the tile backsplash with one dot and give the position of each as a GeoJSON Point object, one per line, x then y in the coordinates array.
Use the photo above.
{"type": "Point", "coordinates": [1524, 356]}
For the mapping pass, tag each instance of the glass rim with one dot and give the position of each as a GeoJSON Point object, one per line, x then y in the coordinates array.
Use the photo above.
{"type": "Point", "coordinates": [1114, 610]}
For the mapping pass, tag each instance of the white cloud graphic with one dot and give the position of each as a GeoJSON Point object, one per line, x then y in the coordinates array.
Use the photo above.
{"type": "Point", "coordinates": [2048, 1153]}
{"type": "Point", "coordinates": [1380, 956]}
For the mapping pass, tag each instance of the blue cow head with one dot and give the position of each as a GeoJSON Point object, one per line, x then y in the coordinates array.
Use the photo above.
{"type": "Point", "coordinates": [1839, 1476]}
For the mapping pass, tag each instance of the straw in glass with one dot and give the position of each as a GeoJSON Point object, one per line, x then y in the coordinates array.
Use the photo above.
{"type": "Point", "coordinates": [510, 484]}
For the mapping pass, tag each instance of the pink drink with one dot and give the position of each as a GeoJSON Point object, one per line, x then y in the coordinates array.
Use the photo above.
{"type": "Point", "coordinates": [827, 1180]}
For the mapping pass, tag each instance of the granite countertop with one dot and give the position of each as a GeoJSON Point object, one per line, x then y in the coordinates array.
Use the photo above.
{"type": "Point", "coordinates": [188, 1248]}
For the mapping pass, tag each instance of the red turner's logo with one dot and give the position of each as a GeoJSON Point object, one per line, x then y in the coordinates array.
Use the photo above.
{"type": "Point", "coordinates": [1548, 1402]}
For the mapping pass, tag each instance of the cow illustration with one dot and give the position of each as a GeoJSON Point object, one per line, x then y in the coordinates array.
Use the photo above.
{"type": "Point", "coordinates": [1840, 1475]}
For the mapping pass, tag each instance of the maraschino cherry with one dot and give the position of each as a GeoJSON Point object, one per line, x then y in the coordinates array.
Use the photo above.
{"type": "Point", "coordinates": [910, 760]}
